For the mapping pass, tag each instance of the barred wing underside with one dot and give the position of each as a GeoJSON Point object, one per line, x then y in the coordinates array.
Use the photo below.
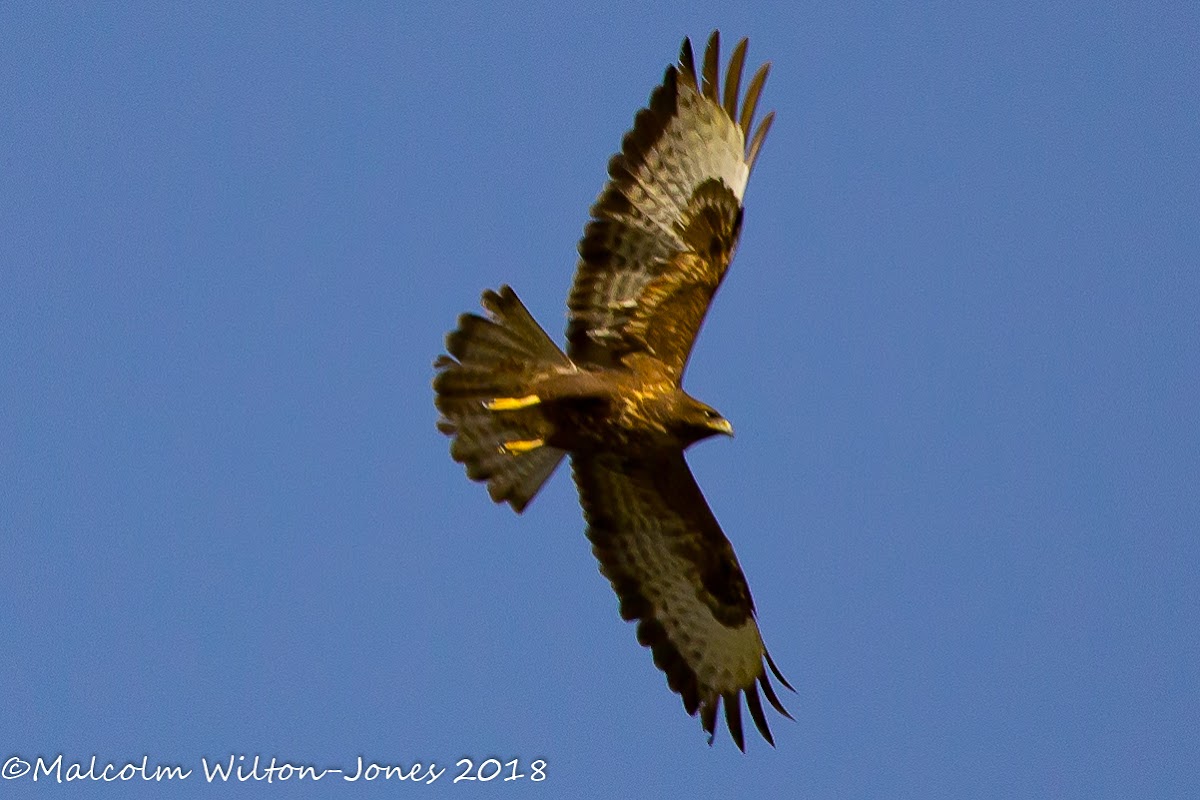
{"type": "Point", "coordinates": [666, 225]}
{"type": "Point", "coordinates": [672, 568]}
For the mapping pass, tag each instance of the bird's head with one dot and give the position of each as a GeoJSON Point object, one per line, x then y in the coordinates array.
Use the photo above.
{"type": "Point", "coordinates": [701, 421]}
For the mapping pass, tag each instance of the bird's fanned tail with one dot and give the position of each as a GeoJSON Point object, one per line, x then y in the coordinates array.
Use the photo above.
{"type": "Point", "coordinates": [482, 392]}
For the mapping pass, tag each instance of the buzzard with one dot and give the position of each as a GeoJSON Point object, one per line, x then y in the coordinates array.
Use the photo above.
{"type": "Point", "coordinates": [661, 236]}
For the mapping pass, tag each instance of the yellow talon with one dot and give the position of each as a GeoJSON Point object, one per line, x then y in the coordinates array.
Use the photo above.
{"type": "Point", "coordinates": [519, 446]}
{"type": "Point", "coordinates": [512, 403]}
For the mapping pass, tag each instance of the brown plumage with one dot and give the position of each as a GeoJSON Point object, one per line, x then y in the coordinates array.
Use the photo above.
{"type": "Point", "coordinates": [662, 235]}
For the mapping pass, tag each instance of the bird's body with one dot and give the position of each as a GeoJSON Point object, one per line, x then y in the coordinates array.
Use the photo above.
{"type": "Point", "coordinates": [661, 237]}
{"type": "Point", "coordinates": [633, 408]}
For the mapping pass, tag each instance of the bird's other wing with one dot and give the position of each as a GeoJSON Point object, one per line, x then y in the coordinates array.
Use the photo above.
{"type": "Point", "coordinates": [666, 225]}
{"type": "Point", "coordinates": [674, 571]}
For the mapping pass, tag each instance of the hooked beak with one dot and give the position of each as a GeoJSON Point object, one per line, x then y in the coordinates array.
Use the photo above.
{"type": "Point", "coordinates": [721, 425]}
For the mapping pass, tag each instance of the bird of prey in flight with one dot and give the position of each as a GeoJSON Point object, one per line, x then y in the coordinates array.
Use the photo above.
{"type": "Point", "coordinates": [661, 236]}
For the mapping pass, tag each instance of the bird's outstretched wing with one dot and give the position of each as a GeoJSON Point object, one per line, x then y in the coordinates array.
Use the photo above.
{"type": "Point", "coordinates": [666, 225]}
{"type": "Point", "coordinates": [675, 572]}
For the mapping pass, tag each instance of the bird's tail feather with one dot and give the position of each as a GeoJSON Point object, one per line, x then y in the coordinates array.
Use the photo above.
{"type": "Point", "coordinates": [484, 393]}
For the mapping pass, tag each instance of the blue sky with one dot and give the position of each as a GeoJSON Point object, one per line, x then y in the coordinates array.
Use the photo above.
{"type": "Point", "coordinates": [959, 345]}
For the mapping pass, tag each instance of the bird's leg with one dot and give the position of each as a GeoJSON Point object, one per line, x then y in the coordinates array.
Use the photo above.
{"type": "Point", "coordinates": [519, 446]}
{"type": "Point", "coordinates": [512, 403]}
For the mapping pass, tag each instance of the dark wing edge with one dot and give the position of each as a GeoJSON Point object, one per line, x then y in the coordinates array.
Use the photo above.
{"type": "Point", "coordinates": [675, 572]}
{"type": "Point", "coordinates": [665, 226]}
